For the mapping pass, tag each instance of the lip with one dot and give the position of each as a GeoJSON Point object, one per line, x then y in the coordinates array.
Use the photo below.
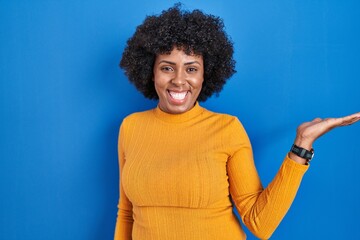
{"type": "Point", "coordinates": [177, 101]}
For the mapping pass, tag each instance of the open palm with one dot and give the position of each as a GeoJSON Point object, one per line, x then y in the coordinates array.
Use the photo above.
{"type": "Point", "coordinates": [308, 132]}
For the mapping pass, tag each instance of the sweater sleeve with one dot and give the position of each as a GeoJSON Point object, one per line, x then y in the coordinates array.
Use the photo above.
{"type": "Point", "coordinates": [261, 209]}
{"type": "Point", "coordinates": [124, 222]}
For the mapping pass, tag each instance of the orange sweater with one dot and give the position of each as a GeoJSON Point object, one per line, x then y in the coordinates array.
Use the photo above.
{"type": "Point", "coordinates": [182, 173]}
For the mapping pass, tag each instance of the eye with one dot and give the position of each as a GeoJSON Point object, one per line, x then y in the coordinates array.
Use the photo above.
{"type": "Point", "coordinates": [192, 69]}
{"type": "Point", "coordinates": [167, 69]}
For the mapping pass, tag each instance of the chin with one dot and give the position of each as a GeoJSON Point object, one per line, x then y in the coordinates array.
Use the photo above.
{"type": "Point", "coordinates": [178, 109]}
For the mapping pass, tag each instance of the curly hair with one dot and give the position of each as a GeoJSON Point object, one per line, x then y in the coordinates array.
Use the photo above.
{"type": "Point", "coordinates": [194, 33]}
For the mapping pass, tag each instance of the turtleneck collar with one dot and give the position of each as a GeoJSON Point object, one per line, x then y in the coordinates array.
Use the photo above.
{"type": "Point", "coordinates": [178, 118]}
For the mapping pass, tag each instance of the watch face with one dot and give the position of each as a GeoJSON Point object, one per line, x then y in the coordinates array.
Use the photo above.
{"type": "Point", "coordinates": [312, 155]}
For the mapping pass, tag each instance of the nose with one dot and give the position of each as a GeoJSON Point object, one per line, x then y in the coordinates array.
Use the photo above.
{"type": "Point", "coordinates": [179, 79]}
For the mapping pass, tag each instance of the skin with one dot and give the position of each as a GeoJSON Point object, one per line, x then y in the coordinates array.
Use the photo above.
{"type": "Point", "coordinates": [308, 132]}
{"type": "Point", "coordinates": [178, 75]}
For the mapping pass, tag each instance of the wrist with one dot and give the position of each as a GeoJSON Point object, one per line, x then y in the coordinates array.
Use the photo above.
{"type": "Point", "coordinates": [303, 143]}
{"type": "Point", "coordinates": [301, 155]}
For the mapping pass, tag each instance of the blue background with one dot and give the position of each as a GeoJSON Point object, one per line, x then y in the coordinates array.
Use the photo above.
{"type": "Point", "coordinates": [62, 99]}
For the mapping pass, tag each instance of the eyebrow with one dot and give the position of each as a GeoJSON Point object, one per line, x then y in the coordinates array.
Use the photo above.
{"type": "Point", "coordinates": [172, 63]}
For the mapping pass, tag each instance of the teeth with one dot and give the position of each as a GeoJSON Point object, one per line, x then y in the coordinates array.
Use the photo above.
{"type": "Point", "coordinates": [178, 95]}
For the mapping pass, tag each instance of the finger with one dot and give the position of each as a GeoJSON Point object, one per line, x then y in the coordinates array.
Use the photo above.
{"type": "Point", "coordinates": [355, 115]}
{"type": "Point", "coordinates": [349, 121]}
{"type": "Point", "coordinates": [343, 121]}
{"type": "Point", "coordinates": [316, 120]}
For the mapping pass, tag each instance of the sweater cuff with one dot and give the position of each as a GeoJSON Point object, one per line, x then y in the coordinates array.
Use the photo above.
{"type": "Point", "coordinates": [301, 168]}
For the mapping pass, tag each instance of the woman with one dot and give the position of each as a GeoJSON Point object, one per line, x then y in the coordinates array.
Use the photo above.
{"type": "Point", "coordinates": [183, 167]}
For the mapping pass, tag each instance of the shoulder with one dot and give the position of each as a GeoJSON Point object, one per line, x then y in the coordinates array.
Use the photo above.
{"type": "Point", "coordinates": [230, 124]}
{"type": "Point", "coordinates": [139, 115]}
{"type": "Point", "coordinates": [227, 125]}
{"type": "Point", "coordinates": [226, 119]}
{"type": "Point", "coordinates": [136, 118]}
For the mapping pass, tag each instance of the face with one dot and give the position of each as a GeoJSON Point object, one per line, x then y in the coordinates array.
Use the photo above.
{"type": "Point", "coordinates": [178, 80]}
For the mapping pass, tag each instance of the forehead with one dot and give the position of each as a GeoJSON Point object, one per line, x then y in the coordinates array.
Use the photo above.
{"type": "Point", "coordinates": [179, 56]}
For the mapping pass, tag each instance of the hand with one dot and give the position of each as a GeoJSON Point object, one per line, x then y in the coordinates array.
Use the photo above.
{"type": "Point", "coordinates": [308, 132]}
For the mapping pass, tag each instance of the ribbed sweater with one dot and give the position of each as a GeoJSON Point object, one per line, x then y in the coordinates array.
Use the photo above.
{"type": "Point", "coordinates": [181, 175]}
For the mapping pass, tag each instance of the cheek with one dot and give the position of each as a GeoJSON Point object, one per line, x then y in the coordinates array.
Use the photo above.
{"type": "Point", "coordinates": [198, 83]}
{"type": "Point", "coordinates": [200, 79]}
{"type": "Point", "coordinates": [159, 80]}
{"type": "Point", "coordinates": [159, 87]}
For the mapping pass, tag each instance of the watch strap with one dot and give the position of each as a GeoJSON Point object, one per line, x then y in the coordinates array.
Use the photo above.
{"type": "Point", "coordinates": [302, 152]}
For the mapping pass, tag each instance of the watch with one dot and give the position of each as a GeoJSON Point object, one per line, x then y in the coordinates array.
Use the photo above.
{"type": "Point", "coordinates": [302, 152]}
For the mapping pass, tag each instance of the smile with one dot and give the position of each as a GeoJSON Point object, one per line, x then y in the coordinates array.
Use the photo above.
{"type": "Point", "coordinates": [178, 95]}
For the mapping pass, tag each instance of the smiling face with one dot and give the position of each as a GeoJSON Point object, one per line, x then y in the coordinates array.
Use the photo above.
{"type": "Point", "coordinates": [178, 79]}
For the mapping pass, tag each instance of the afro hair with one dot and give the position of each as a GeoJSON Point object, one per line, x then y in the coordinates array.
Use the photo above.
{"type": "Point", "coordinates": [194, 33]}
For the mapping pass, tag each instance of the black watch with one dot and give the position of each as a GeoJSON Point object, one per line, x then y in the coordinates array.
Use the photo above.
{"type": "Point", "coordinates": [302, 152]}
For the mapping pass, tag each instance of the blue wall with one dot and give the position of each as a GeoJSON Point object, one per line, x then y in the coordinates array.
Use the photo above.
{"type": "Point", "coordinates": [62, 98]}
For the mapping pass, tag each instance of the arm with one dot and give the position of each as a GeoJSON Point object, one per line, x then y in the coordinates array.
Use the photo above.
{"type": "Point", "coordinates": [263, 209]}
{"type": "Point", "coordinates": [260, 209]}
{"type": "Point", "coordinates": [124, 222]}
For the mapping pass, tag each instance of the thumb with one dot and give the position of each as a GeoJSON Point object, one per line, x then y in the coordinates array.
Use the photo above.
{"type": "Point", "coordinates": [316, 120]}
